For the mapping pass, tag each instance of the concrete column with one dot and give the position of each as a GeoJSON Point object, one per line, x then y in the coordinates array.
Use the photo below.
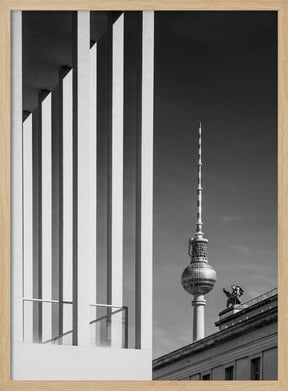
{"type": "Point", "coordinates": [67, 200]}
{"type": "Point", "coordinates": [81, 62]}
{"type": "Point", "coordinates": [46, 214]}
{"type": "Point", "coordinates": [144, 188]}
{"type": "Point", "coordinates": [56, 180]}
{"type": "Point", "coordinates": [108, 123]}
{"type": "Point", "coordinates": [93, 174]}
{"type": "Point", "coordinates": [93, 190]}
{"type": "Point", "coordinates": [37, 223]}
{"type": "Point", "coordinates": [16, 179]}
{"type": "Point", "coordinates": [28, 228]}
{"type": "Point", "coordinates": [117, 179]}
{"type": "Point", "coordinates": [198, 317]}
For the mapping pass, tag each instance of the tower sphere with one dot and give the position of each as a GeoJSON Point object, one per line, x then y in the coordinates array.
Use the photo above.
{"type": "Point", "coordinates": [198, 278]}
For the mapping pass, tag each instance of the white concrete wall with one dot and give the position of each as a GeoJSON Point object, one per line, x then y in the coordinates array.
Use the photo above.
{"type": "Point", "coordinates": [53, 362]}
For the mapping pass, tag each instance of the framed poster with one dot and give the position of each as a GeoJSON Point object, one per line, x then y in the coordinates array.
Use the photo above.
{"type": "Point", "coordinates": [56, 303]}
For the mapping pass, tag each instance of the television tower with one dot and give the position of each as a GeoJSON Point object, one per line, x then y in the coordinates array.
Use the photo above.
{"type": "Point", "coordinates": [199, 277]}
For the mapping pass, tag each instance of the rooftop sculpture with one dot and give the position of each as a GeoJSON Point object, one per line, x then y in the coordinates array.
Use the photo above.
{"type": "Point", "coordinates": [234, 296]}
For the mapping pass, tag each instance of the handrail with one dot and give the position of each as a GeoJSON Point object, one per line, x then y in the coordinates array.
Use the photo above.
{"type": "Point", "coordinates": [106, 305]}
{"type": "Point", "coordinates": [58, 336]}
{"type": "Point", "coordinates": [106, 316]}
{"type": "Point", "coordinates": [48, 301]}
{"type": "Point", "coordinates": [70, 302]}
{"type": "Point", "coordinates": [259, 298]}
{"type": "Point", "coordinates": [109, 315]}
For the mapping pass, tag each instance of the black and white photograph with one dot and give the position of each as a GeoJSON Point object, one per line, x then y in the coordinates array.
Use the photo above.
{"type": "Point", "coordinates": [144, 195]}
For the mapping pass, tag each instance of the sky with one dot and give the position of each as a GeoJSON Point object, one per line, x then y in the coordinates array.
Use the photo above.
{"type": "Point", "coordinates": [217, 67]}
{"type": "Point", "coordinates": [220, 68]}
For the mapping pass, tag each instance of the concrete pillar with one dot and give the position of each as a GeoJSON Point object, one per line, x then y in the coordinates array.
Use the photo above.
{"type": "Point", "coordinates": [144, 187]}
{"type": "Point", "coordinates": [37, 223]}
{"type": "Point", "coordinates": [81, 62]}
{"type": "Point", "coordinates": [67, 199]}
{"type": "Point", "coordinates": [16, 178]}
{"type": "Point", "coordinates": [108, 46]}
{"type": "Point", "coordinates": [46, 215]}
{"type": "Point", "coordinates": [93, 172]}
{"type": "Point", "coordinates": [28, 229]}
{"type": "Point", "coordinates": [56, 209]}
{"type": "Point", "coordinates": [115, 186]}
{"type": "Point", "coordinates": [93, 189]}
{"type": "Point", "coordinates": [198, 317]}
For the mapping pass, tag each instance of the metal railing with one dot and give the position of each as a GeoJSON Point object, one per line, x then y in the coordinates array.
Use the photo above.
{"type": "Point", "coordinates": [53, 340]}
{"type": "Point", "coordinates": [109, 327]}
{"type": "Point", "coordinates": [37, 329]}
{"type": "Point", "coordinates": [262, 297]}
{"type": "Point", "coordinates": [108, 324]}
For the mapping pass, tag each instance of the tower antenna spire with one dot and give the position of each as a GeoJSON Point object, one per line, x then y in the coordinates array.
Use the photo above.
{"type": "Point", "coordinates": [199, 234]}
{"type": "Point", "coordinates": [199, 277]}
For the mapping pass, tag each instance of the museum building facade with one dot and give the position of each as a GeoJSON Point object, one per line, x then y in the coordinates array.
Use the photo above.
{"type": "Point", "coordinates": [244, 348]}
{"type": "Point", "coordinates": [68, 97]}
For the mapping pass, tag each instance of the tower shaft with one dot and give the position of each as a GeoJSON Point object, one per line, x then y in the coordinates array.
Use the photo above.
{"type": "Point", "coordinates": [199, 224]}
{"type": "Point", "coordinates": [198, 317]}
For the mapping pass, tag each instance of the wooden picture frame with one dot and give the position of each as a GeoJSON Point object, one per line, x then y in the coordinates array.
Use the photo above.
{"type": "Point", "coordinates": [281, 6]}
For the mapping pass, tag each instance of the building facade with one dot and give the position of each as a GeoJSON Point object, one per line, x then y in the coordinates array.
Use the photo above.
{"type": "Point", "coordinates": [68, 78]}
{"type": "Point", "coordinates": [244, 348]}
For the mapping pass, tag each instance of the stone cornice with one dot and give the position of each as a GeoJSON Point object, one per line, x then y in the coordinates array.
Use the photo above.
{"type": "Point", "coordinates": [212, 340]}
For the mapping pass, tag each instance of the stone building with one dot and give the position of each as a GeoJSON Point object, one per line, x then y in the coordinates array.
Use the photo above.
{"type": "Point", "coordinates": [244, 348]}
